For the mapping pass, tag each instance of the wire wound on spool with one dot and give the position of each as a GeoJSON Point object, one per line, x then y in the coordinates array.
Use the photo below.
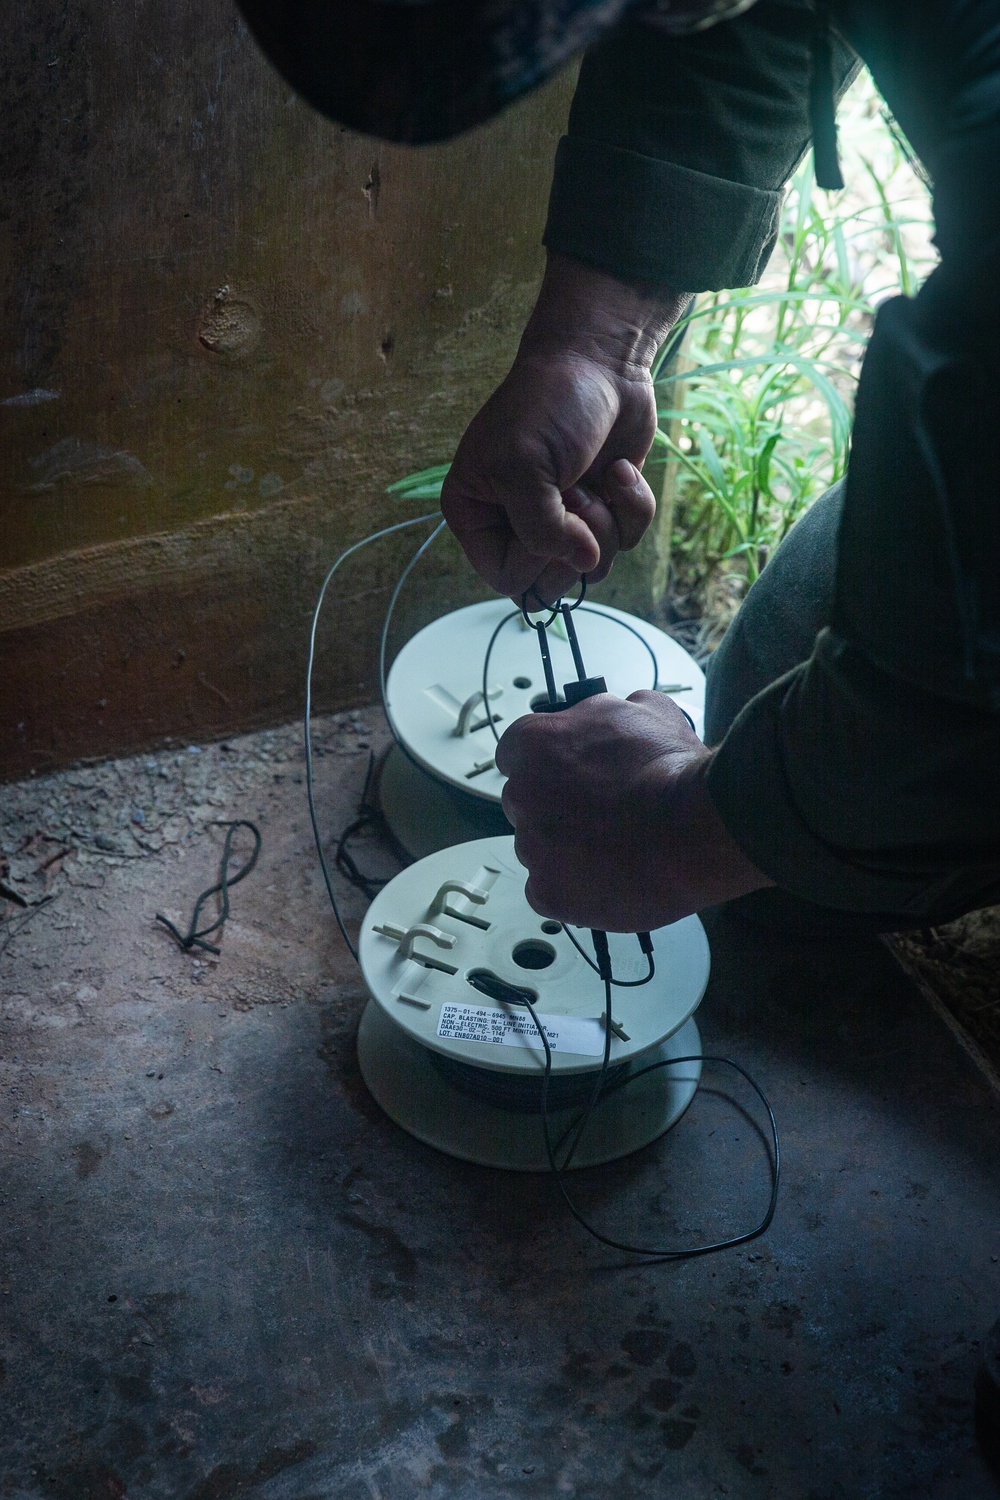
{"type": "Point", "coordinates": [520, 1094]}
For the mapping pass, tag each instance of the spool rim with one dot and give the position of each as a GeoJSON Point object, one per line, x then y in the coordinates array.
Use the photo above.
{"type": "Point", "coordinates": [568, 992]}
{"type": "Point", "coordinates": [402, 1081]}
{"type": "Point", "coordinates": [418, 725]}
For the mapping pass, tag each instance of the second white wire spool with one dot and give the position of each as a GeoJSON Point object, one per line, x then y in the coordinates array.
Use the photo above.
{"type": "Point", "coordinates": [443, 786]}
{"type": "Point", "coordinates": [434, 689]}
{"type": "Point", "coordinates": [426, 1028]}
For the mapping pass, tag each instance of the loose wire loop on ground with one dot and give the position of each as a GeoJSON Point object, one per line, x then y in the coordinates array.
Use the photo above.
{"type": "Point", "coordinates": [607, 1081]}
{"type": "Point", "coordinates": [194, 938]}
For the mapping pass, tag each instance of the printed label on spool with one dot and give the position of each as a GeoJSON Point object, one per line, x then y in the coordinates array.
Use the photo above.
{"type": "Point", "coordinates": [505, 1028]}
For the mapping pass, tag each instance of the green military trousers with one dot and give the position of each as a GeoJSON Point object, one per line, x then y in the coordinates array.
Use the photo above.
{"type": "Point", "coordinates": [773, 632]}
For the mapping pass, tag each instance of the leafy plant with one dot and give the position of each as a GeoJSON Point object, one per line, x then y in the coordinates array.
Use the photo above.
{"type": "Point", "coordinates": [758, 424]}
{"type": "Point", "coordinates": [425, 484]}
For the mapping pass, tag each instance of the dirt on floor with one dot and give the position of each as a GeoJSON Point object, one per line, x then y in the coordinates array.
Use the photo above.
{"type": "Point", "coordinates": [959, 965]}
{"type": "Point", "coordinates": [61, 837]}
{"type": "Point", "coordinates": [147, 833]}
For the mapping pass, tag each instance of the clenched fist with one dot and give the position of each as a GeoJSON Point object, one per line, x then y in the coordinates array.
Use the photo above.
{"type": "Point", "coordinates": [611, 816]}
{"type": "Point", "coordinates": [546, 483]}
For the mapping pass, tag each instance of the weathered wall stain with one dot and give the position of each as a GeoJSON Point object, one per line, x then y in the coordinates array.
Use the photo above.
{"type": "Point", "coordinates": [231, 325]}
{"type": "Point", "coordinates": [70, 461]}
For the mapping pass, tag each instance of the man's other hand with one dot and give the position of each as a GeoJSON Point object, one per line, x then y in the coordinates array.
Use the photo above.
{"type": "Point", "coordinates": [546, 483]}
{"type": "Point", "coordinates": [611, 816]}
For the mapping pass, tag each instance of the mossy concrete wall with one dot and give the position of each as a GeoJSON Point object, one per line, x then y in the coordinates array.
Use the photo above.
{"type": "Point", "coordinates": [227, 325]}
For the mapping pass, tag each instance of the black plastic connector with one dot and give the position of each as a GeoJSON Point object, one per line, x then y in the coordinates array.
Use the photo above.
{"type": "Point", "coordinates": [589, 687]}
{"type": "Point", "coordinates": [488, 983]}
{"type": "Point", "coordinates": [602, 953]}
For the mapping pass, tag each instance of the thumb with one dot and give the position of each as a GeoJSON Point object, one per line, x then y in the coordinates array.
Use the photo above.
{"type": "Point", "coordinates": [550, 525]}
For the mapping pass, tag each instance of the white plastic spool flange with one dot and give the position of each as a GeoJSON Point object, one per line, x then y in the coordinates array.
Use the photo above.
{"type": "Point", "coordinates": [435, 679]}
{"type": "Point", "coordinates": [423, 1003]}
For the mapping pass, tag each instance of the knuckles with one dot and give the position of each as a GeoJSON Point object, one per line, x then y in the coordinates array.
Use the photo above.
{"type": "Point", "coordinates": [528, 744]}
{"type": "Point", "coordinates": [546, 897]}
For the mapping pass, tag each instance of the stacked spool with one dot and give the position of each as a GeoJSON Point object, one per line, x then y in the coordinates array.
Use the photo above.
{"type": "Point", "coordinates": [439, 784]}
{"type": "Point", "coordinates": [452, 1057]}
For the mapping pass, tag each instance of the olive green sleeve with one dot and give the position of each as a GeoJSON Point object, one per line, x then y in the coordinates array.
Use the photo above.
{"type": "Point", "coordinates": [678, 149]}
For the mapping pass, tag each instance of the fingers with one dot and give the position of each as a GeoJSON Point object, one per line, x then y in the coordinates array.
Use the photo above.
{"type": "Point", "coordinates": [548, 528]}
{"type": "Point", "coordinates": [579, 532]}
{"type": "Point", "coordinates": [483, 533]}
{"type": "Point", "coordinates": [549, 884]}
{"type": "Point", "coordinates": [555, 579]}
{"type": "Point", "coordinates": [630, 500]}
{"type": "Point", "coordinates": [525, 799]}
{"type": "Point", "coordinates": [516, 541]}
{"type": "Point", "coordinates": [515, 752]}
{"type": "Point", "coordinates": [544, 486]}
{"type": "Point", "coordinates": [602, 524]}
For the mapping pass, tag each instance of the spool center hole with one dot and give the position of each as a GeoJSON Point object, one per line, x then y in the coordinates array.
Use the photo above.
{"type": "Point", "coordinates": [533, 954]}
{"type": "Point", "coordinates": [522, 682]}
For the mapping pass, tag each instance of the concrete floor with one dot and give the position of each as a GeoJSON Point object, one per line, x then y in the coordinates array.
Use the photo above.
{"type": "Point", "coordinates": [226, 1274]}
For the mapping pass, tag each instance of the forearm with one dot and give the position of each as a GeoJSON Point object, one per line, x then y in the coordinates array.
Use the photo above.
{"type": "Point", "coordinates": [599, 317]}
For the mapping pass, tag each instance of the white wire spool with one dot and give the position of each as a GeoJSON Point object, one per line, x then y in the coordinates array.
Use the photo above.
{"type": "Point", "coordinates": [434, 689]}
{"type": "Point", "coordinates": [462, 912]}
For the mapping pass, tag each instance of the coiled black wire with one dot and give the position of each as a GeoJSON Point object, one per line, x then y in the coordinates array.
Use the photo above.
{"type": "Point", "coordinates": [517, 1092]}
{"type": "Point", "coordinates": [587, 609]}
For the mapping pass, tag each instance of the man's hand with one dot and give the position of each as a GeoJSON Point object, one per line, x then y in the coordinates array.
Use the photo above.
{"type": "Point", "coordinates": [612, 818]}
{"type": "Point", "coordinates": [546, 484]}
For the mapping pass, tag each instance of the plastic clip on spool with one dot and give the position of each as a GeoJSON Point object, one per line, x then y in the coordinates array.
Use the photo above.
{"type": "Point", "coordinates": [478, 897]}
{"type": "Point", "coordinates": [463, 727]}
{"type": "Point", "coordinates": [407, 936]}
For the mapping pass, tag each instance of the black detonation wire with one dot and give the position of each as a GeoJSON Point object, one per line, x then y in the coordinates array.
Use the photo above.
{"type": "Point", "coordinates": [369, 816]}
{"type": "Point", "coordinates": [619, 984]}
{"type": "Point", "coordinates": [587, 609]}
{"type": "Point", "coordinates": [349, 552]}
{"type": "Point", "coordinates": [486, 668]}
{"type": "Point", "coordinates": [194, 938]}
{"type": "Point", "coordinates": [603, 967]}
{"type": "Point", "coordinates": [558, 1169]}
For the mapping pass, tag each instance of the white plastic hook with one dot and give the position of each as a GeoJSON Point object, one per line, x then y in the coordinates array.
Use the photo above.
{"type": "Point", "coordinates": [472, 893]}
{"type": "Point", "coordinates": [391, 930]}
{"type": "Point", "coordinates": [424, 930]}
{"type": "Point", "coordinates": [471, 703]}
{"type": "Point", "coordinates": [407, 936]}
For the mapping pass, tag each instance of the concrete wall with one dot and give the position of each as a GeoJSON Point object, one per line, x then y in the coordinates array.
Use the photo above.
{"type": "Point", "coordinates": [227, 325]}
